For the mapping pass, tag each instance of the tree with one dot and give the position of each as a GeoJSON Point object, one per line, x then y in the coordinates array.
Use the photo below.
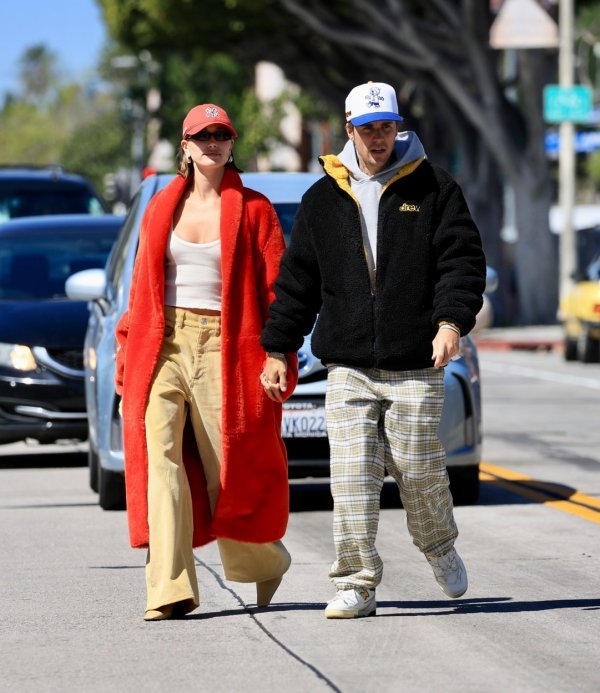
{"type": "Point", "coordinates": [437, 53]}
{"type": "Point", "coordinates": [37, 72]}
{"type": "Point", "coordinates": [97, 146]}
{"type": "Point", "coordinates": [49, 121]}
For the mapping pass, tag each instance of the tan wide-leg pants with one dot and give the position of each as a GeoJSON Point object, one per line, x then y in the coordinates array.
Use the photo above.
{"type": "Point", "coordinates": [187, 382]}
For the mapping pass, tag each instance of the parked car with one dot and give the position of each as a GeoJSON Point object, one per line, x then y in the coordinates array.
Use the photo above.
{"type": "Point", "coordinates": [35, 191]}
{"type": "Point", "coordinates": [41, 332]}
{"type": "Point", "coordinates": [580, 316]}
{"type": "Point", "coordinates": [303, 425]}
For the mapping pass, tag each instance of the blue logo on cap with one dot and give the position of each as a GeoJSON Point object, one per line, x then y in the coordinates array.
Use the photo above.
{"type": "Point", "coordinates": [373, 97]}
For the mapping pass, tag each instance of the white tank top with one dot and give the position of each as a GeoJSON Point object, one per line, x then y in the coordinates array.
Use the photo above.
{"type": "Point", "coordinates": [193, 274]}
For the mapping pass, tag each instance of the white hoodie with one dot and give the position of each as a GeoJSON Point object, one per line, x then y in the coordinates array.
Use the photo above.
{"type": "Point", "coordinates": [368, 188]}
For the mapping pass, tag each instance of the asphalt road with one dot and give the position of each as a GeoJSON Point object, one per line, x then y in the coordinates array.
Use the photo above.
{"type": "Point", "coordinates": [72, 591]}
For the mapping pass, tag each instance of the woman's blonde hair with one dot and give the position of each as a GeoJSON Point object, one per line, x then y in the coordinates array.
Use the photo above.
{"type": "Point", "coordinates": [186, 167]}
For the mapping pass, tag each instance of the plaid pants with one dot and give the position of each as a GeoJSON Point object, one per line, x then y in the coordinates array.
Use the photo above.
{"type": "Point", "coordinates": [380, 420]}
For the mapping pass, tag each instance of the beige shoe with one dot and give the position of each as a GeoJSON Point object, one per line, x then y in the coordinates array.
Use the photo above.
{"type": "Point", "coordinates": [265, 591]}
{"type": "Point", "coordinates": [161, 614]}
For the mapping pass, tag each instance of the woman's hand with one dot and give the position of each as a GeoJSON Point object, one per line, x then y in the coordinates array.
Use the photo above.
{"type": "Point", "coordinates": [274, 377]}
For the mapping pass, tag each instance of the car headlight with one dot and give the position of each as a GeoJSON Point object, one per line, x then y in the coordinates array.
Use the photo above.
{"type": "Point", "coordinates": [17, 356]}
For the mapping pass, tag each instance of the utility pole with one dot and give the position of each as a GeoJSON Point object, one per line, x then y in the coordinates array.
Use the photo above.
{"type": "Point", "coordinates": [566, 153]}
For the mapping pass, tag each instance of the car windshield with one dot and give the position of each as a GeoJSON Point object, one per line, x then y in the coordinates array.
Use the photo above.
{"type": "Point", "coordinates": [27, 201]}
{"type": "Point", "coordinates": [286, 211]}
{"type": "Point", "coordinates": [36, 266]}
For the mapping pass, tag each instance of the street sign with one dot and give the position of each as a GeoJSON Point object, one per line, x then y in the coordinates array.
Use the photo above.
{"type": "Point", "coordinates": [567, 104]}
{"type": "Point", "coordinates": [523, 24]}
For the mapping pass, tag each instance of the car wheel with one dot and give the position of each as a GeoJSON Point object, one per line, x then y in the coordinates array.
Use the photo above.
{"type": "Point", "coordinates": [111, 489]}
{"type": "Point", "coordinates": [570, 349]}
{"type": "Point", "coordinates": [464, 484]}
{"type": "Point", "coordinates": [93, 468]}
{"type": "Point", "coordinates": [588, 348]}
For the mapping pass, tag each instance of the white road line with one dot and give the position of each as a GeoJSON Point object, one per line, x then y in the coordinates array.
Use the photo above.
{"type": "Point", "coordinates": [562, 378]}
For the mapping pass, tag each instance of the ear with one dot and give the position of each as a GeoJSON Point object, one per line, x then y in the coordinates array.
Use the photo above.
{"type": "Point", "coordinates": [350, 131]}
{"type": "Point", "coordinates": [186, 155]}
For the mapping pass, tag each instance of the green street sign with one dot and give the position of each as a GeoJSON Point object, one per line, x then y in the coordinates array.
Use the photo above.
{"type": "Point", "coordinates": [567, 104]}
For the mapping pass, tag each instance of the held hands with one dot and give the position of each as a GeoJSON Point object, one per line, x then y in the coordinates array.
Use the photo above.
{"type": "Point", "coordinates": [445, 347]}
{"type": "Point", "coordinates": [274, 377]}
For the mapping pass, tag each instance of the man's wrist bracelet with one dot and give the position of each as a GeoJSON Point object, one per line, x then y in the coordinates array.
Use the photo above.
{"type": "Point", "coordinates": [276, 355]}
{"type": "Point", "coordinates": [448, 326]}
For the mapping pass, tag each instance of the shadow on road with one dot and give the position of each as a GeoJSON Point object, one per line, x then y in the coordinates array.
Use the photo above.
{"type": "Point", "coordinates": [314, 494]}
{"type": "Point", "coordinates": [46, 460]}
{"type": "Point", "coordinates": [491, 605]}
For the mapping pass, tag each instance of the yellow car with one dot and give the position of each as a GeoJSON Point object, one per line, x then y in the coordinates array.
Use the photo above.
{"type": "Point", "coordinates": [580, 316]}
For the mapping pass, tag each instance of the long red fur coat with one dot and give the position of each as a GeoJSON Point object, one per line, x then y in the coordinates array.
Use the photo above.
{"type": "Point", "coordinates": [253, 503]}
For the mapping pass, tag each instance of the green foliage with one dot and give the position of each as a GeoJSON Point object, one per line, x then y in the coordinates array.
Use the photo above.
{"type": "Point", "coordinates": [256, 129]}
{"type": "Point", "coordinates": [28, 135]}
{"type": "Point", "coordinates": [97, 147]}
{"type": "Point", "coordinates": [593, 167]}
{"type": "Point", "coordinates": [37, 72]}
{"type": "Point", "coordinates": [197, 77]}
{"type": "Point", "coordinates": [194, 77]}
{"type": "Point", "coordinates": [178, 24]}
{"type": "Point", "coordinates": [588, 20]}
{"type": "Point", "coordinates": [51, 122]}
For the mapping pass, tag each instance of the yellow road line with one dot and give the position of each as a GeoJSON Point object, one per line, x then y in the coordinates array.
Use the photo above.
{"type": "Point", "coordinates": [574, 503]}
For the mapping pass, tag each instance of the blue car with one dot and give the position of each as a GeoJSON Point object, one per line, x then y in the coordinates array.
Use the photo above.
{"type": "Point", "coordinates": [303, 426]}
{"type": "Point", "coordinates": [27, 191]}
{"type": "Point", "coordinates": [41, 331]}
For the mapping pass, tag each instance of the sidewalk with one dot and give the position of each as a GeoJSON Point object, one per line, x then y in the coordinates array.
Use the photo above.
{"type": "Point", "coordinates": [530, 337]}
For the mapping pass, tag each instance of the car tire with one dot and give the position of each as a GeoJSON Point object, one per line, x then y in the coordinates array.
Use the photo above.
{"type": "Point", "coordinates": [93, 468]}
{"type": "Point", "coordinates": [111, 489]}
{"type": "Point", "coordinates": [588, 348]}
{"type": "Point", "coordinates": [464, 484]}
{"type": "Point", "coordinates": [570, 349]}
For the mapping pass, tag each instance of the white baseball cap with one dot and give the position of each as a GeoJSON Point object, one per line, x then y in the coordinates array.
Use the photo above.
{"type": "Point", "coordinates": [372, 101]}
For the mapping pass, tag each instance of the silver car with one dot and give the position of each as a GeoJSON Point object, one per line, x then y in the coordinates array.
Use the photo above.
{"type": "Point", "coordinates": [303, 425]}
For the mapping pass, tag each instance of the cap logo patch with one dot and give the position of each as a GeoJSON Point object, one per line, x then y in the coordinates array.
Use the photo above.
{"type": "Point", "coordinates": [211, 112]}
{"type": "Point", "coordinates": [373, 99]}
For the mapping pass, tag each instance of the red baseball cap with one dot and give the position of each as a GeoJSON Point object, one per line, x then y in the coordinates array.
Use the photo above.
{"type": "Point", "coordinates": [202, 116]}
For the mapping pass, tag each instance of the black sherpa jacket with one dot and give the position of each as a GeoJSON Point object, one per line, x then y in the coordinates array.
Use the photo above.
{"type": "Point", "coordinates": [430, 268]}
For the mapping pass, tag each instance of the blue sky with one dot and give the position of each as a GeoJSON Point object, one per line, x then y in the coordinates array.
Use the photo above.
{"type": "Point", "coordinates": [72, 29]}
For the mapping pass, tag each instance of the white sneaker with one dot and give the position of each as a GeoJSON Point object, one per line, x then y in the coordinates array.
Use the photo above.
{"type": "Point", "coordinates": [450, 573]}
{"type": "Point", "coordinates": [352, 603]}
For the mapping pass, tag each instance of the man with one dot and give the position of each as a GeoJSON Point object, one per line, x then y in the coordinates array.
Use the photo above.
{"type": "Point", "coordinates": [385, 252]}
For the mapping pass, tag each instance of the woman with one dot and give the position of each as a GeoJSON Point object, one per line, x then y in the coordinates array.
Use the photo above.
{"type": "Point", "coordinates": [204, 458]}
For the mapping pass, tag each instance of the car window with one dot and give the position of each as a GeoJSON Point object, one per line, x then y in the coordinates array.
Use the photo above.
{"type": "Point", "coordinates": [25, 201]}
{"type": "Point", "coordinates": [118, 257]}
{"type": "Point", "coordinates": [286, 211]}
{"type": "Point", "coordinates": [593, 271]}
{"type": "Point", "coordinates": [36, 266]}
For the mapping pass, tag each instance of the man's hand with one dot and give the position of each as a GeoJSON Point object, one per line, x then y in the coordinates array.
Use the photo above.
{"type": "Point", "coordinates": [274, 377]}
{"type": "Point", "coordinates": [445, 347]}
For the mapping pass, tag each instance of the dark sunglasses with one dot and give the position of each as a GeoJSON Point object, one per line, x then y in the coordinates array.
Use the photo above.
{"type": "Point", "coordinates": [205, 136]}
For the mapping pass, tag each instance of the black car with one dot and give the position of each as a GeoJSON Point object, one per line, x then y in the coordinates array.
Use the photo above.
{"type": "Point", "coordinates": [31, 191]}
{"type": "Point", "coordinates": [41, 330]}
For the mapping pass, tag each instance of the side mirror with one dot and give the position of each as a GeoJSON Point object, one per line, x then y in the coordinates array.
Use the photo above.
{"type": "Point", "coordinates": [491, 280]}
{"type": "Point", "coordinates": [87, 285]}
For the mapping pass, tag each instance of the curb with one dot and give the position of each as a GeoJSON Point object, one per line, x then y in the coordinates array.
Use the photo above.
{"type": "Point", "coordinates": [520, 344]}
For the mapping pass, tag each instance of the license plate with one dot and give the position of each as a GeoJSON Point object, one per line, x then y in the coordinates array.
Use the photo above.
{"type": "Point", "coordinates": [303, 420]}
